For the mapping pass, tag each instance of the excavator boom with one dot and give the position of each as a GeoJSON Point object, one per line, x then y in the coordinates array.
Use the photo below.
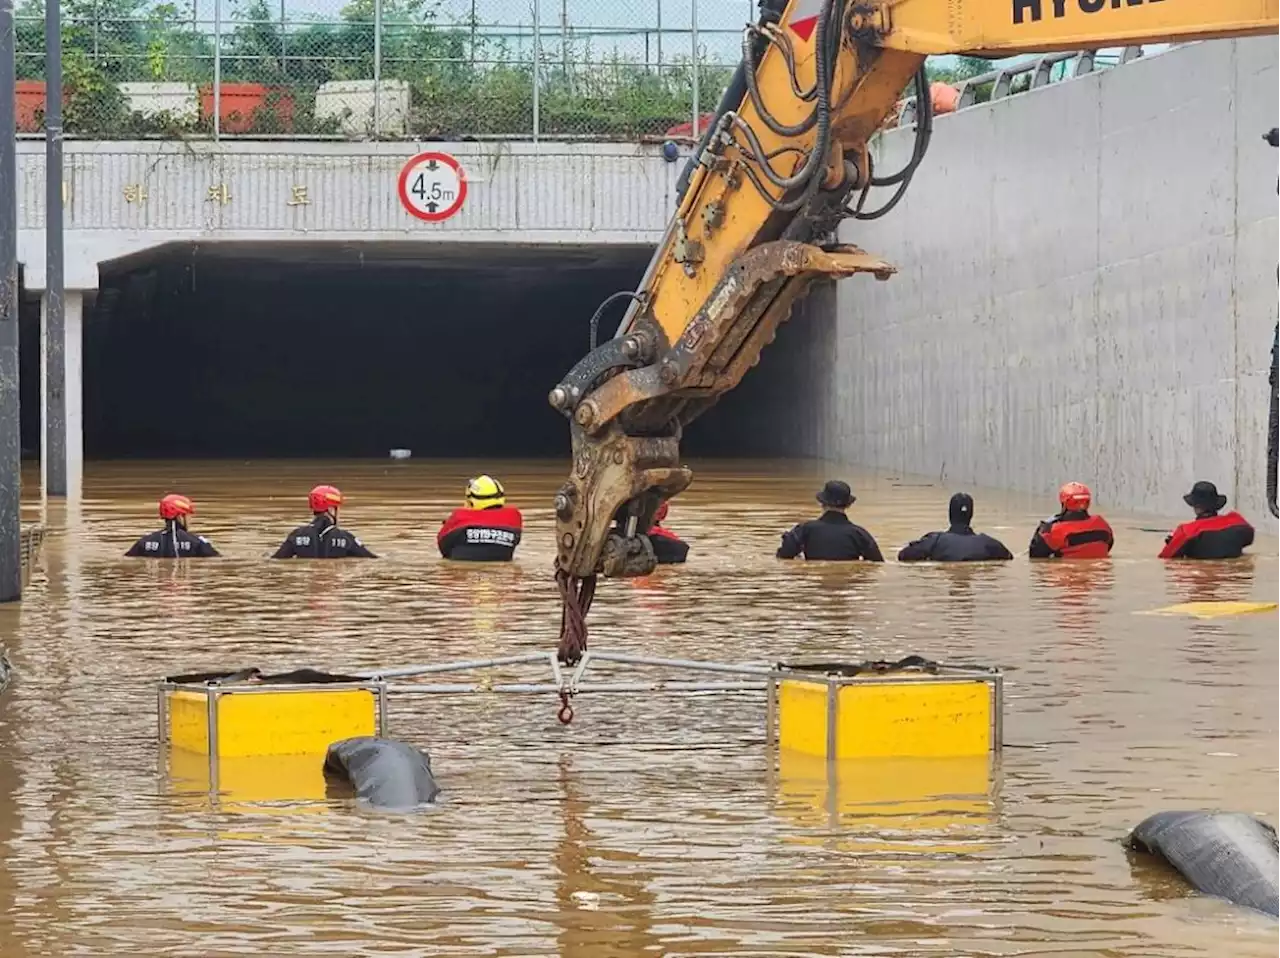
{"type": "Point", "coordinates": [784, 162]}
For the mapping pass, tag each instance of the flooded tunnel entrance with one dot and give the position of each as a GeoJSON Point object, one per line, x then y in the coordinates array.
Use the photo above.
{"type": "Point", "coordinates": [271, 351]}
{"type": "Point", "coordinates": [305, 351]}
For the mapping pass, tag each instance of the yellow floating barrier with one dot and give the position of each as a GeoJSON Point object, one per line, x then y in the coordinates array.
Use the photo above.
{"type": "Point", "coordinates": [249, 738]}
{"type": "Point", "coordinates": [908, 709]}
{"type": "Point", "coordinates": [1214, 610]}
{"type": "Point", "coordinates": [262, 718]}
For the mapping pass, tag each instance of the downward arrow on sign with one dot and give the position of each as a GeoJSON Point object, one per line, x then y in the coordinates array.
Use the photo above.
{"type": "Point", "coordinates": [804, 28]}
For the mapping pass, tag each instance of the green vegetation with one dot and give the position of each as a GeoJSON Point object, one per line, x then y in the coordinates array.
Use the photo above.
{"type": "Point", "coordinates": [462, 82]}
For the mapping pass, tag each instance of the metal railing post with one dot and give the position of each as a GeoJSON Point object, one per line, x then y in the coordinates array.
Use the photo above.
{"type": "Point", "coordinates": [54, 424]}
{"type": "Point", "coordinates": [564, 38]}
{"type": "Point", "coordinates": [659, 32]}
{"type": "Point", "coordinates": [537, 69]}
{"type": "Point", "coordinates": [377, 68]}
{"type": "Point", "coordinates": [10, 450]}
{"type": "Point", "coordinates": [217, 68]}
{"type": "Point", "coordinates": [693, 30]}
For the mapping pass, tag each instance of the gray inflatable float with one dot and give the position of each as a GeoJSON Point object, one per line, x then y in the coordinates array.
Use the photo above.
{"type": "Point", "coordinates": [386, 775]}
{"type": "Point", "coordinates": [1225, 854]}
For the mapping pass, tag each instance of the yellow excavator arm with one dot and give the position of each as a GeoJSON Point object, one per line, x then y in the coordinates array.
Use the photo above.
{"type": "Point", "coordinates": [782, 164]}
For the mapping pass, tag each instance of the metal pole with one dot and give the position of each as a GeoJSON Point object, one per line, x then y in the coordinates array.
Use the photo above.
{"type": "Point", "coordinates": [55, 357]}
{"type": "Point", "coordinates": [693, 24]}
{"type": "Point", "coordinates": [10, 450]}
{"type": "Point", "coordinates": [546, 688]}
{"type": "Point", "coordinates": [537, 57]}
{"type": "Point", "coordinates": [377, 68]}
{"type": "Point", "coordinates": [405, 671]}
{"type": "Point", "coordinates": [564, 37]}
{"type": "Point", "coordinates": [473, 33]}
{"type": "Point", "coordinates": [284, 43]}
{"type": "Point", "coordinates": [217, 68]}
{"type": "Point", "coordinates": [659, 37]}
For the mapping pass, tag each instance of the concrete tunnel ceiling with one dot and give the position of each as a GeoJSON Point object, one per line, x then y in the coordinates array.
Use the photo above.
{"type": "Point", "coordinates": [301, 350]}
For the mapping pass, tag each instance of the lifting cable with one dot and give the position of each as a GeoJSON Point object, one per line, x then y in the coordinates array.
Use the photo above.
{"type": "Point", "coordinates": [1273, 425]}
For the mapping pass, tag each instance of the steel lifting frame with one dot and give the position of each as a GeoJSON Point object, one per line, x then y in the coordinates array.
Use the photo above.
{"type": "Point", "coordinates": [567, 683]}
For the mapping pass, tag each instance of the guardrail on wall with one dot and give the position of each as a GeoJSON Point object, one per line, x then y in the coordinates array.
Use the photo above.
{"type": "Point", "coordinates": [1016, 78]}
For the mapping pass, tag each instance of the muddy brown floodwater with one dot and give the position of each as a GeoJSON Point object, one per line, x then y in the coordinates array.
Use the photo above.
{"type": "Point", "coordinates": [653, 825]}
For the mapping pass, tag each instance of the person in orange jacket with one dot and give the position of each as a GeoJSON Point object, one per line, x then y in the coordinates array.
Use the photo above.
{"type": "Point", "coordinates": [1073, 533]}
{"type": "Point", "coordinates": [667, 546]}
{"type": "Point", "coordinates": [486, 530]}
{"type": "Point", "coordinates": [1209, 535]}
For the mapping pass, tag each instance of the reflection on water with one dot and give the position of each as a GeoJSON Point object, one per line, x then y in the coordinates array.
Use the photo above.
{"type": "Point", "coordinates": [652, 825]}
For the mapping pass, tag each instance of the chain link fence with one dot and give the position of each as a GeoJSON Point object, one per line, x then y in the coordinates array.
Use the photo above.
{"type": "Point", "coordinates": [381, 69]}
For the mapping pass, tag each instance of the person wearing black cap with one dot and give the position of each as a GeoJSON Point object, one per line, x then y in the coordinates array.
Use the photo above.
{"type": "Point", "coordinates": [1208, 535]}
{"type": "Point", "coordinates": [831, 536]}
{"type": "Point", "coordinates": [959, 543]}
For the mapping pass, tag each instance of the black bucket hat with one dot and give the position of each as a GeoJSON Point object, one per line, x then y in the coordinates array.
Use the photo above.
{"type": "Point", "coordinates": [836, 493]}
{"type": "Point", "coordinates": [1205, 495]}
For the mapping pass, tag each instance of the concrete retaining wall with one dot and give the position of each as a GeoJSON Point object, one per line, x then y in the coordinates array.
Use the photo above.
{"type": "Point", "coordinates": [1087, 291]}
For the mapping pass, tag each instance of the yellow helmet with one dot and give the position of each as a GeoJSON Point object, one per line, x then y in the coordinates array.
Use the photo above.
{"type": "Point", "coordinates": [484, 492]}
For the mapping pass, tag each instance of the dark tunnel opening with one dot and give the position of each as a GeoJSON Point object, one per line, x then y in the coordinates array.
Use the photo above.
{"type": "Point", "coordinates": [277, 352]}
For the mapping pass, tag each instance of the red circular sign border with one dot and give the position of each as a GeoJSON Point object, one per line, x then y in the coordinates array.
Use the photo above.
{"type": "Point", "coordinates": [404, 180]}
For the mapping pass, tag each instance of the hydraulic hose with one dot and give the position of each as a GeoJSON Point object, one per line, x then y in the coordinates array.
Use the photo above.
{"type": "Point", "coordinates": [811, 173]}
{"type": "Point", "coordinates": [733, 95]}
{"type": "Point", "coordinates": [608, 300]}
{"type": "Point", "coordinates": [753, 88]}
{"type": "Point", "coordinates": [924, 131]}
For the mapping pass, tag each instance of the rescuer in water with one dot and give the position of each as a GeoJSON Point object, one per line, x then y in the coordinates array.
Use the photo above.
{"type": "Point", "coordinates": [1208, 535]}
{"type": "Point", "coordinates": [959, 543]}
{"type": "Point", "coordinates": [831, 536]}
{"type": "Point", "coordinates": [173, 541]}
{"type": "Point", "coordinates": [322, 537]}
{"type": "Point", "coordinates": [667, 546]}
{"type": "Point", "coordinates": [486, 530]}
{"type": "Point", "coordinates": [1072, 533]}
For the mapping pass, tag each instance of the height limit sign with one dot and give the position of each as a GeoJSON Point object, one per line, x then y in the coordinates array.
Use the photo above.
{"type": "Point", "coordinates": [433, 186]}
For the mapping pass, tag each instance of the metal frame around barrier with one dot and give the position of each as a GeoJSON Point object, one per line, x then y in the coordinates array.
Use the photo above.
{"type": "Point", "coordinates": [763, 679]}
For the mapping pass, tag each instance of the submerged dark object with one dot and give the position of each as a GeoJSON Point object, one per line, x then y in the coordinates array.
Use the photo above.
{"type": "Point", "coordinates": [385, 774]}
{"type": "Point", "coordinates": [1226, 854]}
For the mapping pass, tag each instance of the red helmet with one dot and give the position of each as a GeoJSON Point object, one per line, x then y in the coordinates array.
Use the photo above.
{"type": "Point", "coordinates": [660, 514]}
{"type": "Point", "coordinates": [1075, 496]}
{"type": "Point", "coordinates": [173, 505]}
{"type": "Point", "coordinates": [324, 498]}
